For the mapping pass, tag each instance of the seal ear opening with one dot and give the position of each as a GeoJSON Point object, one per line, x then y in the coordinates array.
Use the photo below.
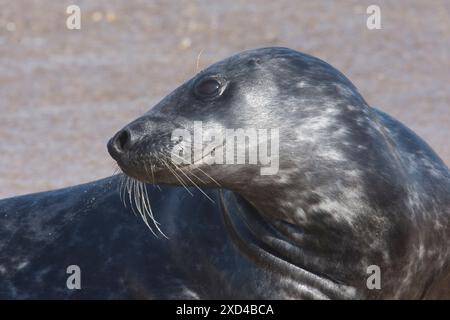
{"type": "Point", "coordinates": [254, 61]}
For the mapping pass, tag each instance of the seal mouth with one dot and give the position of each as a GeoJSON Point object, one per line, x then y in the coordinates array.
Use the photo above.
{"type": "Point", "coordinates": [159, 167]}
{"type": "Point", "coordinates": [154, 161]}
{"type": "Point", "coordinates": [153, 167]}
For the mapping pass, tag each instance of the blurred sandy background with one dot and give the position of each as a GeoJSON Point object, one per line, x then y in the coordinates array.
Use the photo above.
{"type": "Point", "coordinates": [63, 93]}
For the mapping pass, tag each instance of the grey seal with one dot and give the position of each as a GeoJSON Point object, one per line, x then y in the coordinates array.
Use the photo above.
{"type": "Point", "coordinates": [355, 188]}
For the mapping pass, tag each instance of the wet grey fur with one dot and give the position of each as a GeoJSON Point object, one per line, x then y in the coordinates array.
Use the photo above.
{"type": "Point", "coordinates": [355, 188]}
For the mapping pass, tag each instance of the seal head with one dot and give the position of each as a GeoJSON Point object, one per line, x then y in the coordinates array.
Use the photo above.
{"type": "Point", "coordinates": [354, 188]}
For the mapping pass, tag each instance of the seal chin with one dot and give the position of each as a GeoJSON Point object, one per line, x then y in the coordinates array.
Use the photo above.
{"type": "Point", "coordinates": [152, 171]}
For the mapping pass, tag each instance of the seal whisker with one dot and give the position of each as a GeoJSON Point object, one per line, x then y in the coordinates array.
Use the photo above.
{"type": "Point", "coordinates": [135, 196]}
{"type": "Point", "coordinates": [177, 177]}
{"type": "Point", "coordinates": [137, 201]}
{"type": "Point", "coordinates": [146, 204]}
{"type": "Point", "coordinates": [122, 178]}
{"type": "Point", "coordinates": [198, 60]}
{"type": "Point", "coordinates": [148, 209]}
{"type": "Point", "coordinates": [143, 210]}
{"type": "Point", "coordinates": [130, 192]}
{"type": "Point", "coordinates": [196, 167]}
{"type": "Point", "coordinates": [122, 190]}
{"type": "Point", "coordinates": [191, 181]}
{"type": "Point", "coordinates": [212, 179]}
{"type": "Point", "coordinates": [152, 175]}
{"type": "Point", "coordinates": [152, 166]}
{"type": "Point", "coordinates": [188, 169]}
{"type": "Point", "coordinates": [128, 189]}
{"type": "Point", "coordinates": [196, 176]}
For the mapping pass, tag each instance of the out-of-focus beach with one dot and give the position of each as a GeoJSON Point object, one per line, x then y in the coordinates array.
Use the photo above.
{"type": "Point", "coordinates": [64, 93]}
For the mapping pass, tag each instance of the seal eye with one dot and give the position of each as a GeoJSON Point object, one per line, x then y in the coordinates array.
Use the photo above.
{"type": "Point", "coordinates": [208, 87]}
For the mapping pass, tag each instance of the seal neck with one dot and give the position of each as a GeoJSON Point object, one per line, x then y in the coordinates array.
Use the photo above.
{"type": "Point", "coordinates": [276, 246]}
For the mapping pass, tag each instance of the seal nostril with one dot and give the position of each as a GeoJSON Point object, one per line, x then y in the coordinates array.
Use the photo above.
{"type": "Point", "coordinates": [123, 140]}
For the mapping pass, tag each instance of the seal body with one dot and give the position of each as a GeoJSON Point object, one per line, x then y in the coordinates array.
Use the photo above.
{"type": "Point", "coordinates": [88, 226]}
{"type": "Point", "coordinates": [354, 189]}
